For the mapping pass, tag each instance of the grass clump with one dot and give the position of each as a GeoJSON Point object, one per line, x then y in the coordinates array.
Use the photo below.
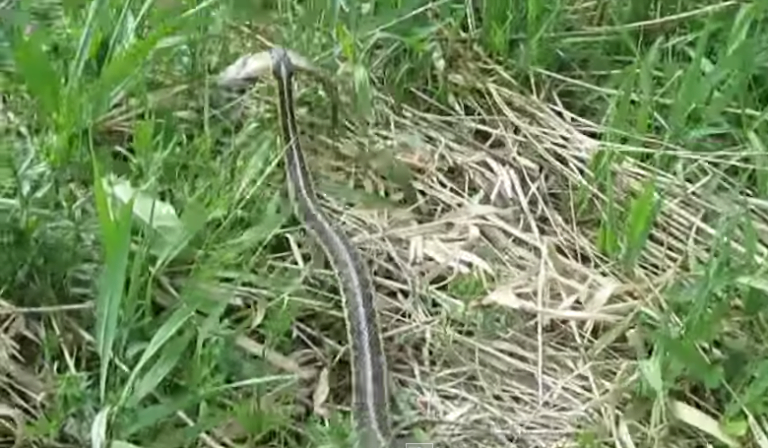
{"type": "Point", "coordinates": [562, 204]}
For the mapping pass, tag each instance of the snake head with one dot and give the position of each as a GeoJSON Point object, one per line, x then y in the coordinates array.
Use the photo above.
{"type": "Point", "coordinates": [280, 62]}
{"type": "Point", "coordinates": [245, 70]}
{"type": "Point", "coordinates": [249, 67]}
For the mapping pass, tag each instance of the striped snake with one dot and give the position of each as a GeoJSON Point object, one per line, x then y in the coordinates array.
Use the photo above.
{"type": "Point", "coordinates": [369, 374]}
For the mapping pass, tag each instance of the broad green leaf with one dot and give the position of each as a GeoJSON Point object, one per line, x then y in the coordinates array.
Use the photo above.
{"type": "Point", "coordinates": [41, 78]}
{"type": "Point", "coordinates": [170, 235]}
{"type": "Point", "coordinates": [157, 214]}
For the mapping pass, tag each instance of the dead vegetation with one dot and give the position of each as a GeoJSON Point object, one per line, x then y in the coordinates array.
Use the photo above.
{"type": "Point", "coordinates": [549, 349]}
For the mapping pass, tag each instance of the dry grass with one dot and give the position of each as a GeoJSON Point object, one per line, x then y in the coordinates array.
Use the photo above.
{"type": "Point", "coordinates": [558, 357]}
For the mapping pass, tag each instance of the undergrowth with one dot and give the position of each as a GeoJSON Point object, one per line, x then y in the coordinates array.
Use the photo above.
{"type": "Point", "coordinates": [132, 195]}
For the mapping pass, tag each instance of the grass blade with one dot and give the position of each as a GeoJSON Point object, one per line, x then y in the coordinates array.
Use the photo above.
{"type": "Point", "coordinates": [164, 334]}
{"type": "Point", "coordinates": [116, 234]}
{"type": "Point", "coordinates": [642, 214]}
{"type": "Point", "coordinates": [167, 360]}
{"type": "Point", "coordinates": [84, 47]}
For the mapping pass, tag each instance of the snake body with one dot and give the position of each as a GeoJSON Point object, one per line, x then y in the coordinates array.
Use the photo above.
{"type": "Point", "coordinates": [370, 405]}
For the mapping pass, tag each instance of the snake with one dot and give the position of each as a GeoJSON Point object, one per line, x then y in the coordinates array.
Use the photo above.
{"type": "Point", "coordinates": [370, 395]}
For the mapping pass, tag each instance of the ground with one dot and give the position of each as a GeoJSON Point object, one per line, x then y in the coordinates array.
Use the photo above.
{"type": "Point", "coordinates": [563, 205]}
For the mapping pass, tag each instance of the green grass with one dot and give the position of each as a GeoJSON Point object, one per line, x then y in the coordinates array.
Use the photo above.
{"type": "Point", "coordinates": [146, 232]}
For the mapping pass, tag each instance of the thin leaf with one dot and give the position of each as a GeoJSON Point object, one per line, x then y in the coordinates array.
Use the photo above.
{"type": "Point", "coordinates": [122, 444]}
{"type": "Point", "coordinates": [759, 283]}
{"type": "Point", "coordinates": [99, 428]}
{"type": "Point", "coordinates": [167, 360]}
{"type": "Point", "coordinates": [84, 47]}
{"type": "Point", "coordinates": [758, 431]}
{"type": "Point", "coordinates": [363, 93]}
{"type": "Point", "coordinates": [164, 334]}
{"type": "Point", "coordinates": [149, 416]}
{"type": "Point", "coordinates": [701, 421]}
{"type": "Point", "coordinates": [116, 233]}
{"type": "Point", "coordinates": [651, 370]}
{"type": "Point", "coordinates": [120, 70]}
{"type": "Point", "coordinates": [642, 214]}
